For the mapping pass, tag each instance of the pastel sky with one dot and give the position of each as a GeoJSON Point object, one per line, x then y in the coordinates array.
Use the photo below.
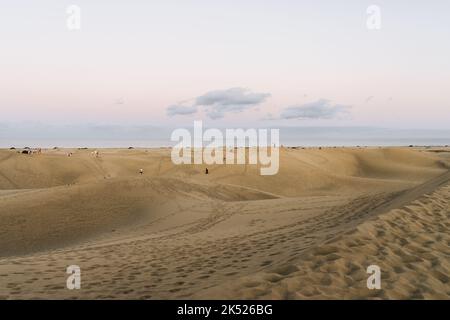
{"type": "Point", "coordinates": [226, 62]}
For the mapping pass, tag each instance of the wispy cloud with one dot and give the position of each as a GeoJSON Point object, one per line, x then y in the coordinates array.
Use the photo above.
{"type": "Point", "coordinates": [220, 102]}
{"type": "Point", "coordinates": [120, 101]}
{"type": "Point", "coordinates": [178, 109]}
{"type": "Point", "coordinates": [320, 109]}
{"type": "Point", "coordinates": [370, 98]}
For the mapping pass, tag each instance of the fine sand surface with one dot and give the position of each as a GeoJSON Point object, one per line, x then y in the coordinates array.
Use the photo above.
{"type": "Point", "coordinates": [308, 232]}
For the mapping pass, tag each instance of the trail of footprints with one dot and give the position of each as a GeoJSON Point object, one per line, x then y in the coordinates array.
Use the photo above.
{"type": "Point", "coordinates": [154, 267]}
{"type": "Point", "coordinates": [415, 264]}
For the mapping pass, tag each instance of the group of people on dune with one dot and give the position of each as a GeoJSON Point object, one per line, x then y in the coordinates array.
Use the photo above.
{"type": "Point", "coordinates": [69, 154]}
{"type": "Point", "coordinates": [30, 151]}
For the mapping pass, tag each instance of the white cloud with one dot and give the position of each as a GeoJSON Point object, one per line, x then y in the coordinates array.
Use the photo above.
{"type": "Point", "coordinates": [320, 109]}
{"type": "Point", "coordinates": [177, 109]}
{"type": "Point", "coordinates": [220, 102]}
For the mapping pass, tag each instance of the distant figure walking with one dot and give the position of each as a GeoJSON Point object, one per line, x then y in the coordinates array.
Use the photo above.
{"type": "Point", "coordinates": [206, 171]}
{"type": "Point", "coordinates": [141, 171]}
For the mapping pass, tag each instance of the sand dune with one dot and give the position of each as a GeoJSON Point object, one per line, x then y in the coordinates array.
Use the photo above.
{"type": "Point", "coordinates": [308, 232]}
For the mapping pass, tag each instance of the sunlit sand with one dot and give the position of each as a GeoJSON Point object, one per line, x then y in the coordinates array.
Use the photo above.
{"type": "Point", "coordinates": [174, 232]}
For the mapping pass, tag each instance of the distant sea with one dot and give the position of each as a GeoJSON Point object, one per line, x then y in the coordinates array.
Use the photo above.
{"type": "Point", "coordinates": [154, 137]}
